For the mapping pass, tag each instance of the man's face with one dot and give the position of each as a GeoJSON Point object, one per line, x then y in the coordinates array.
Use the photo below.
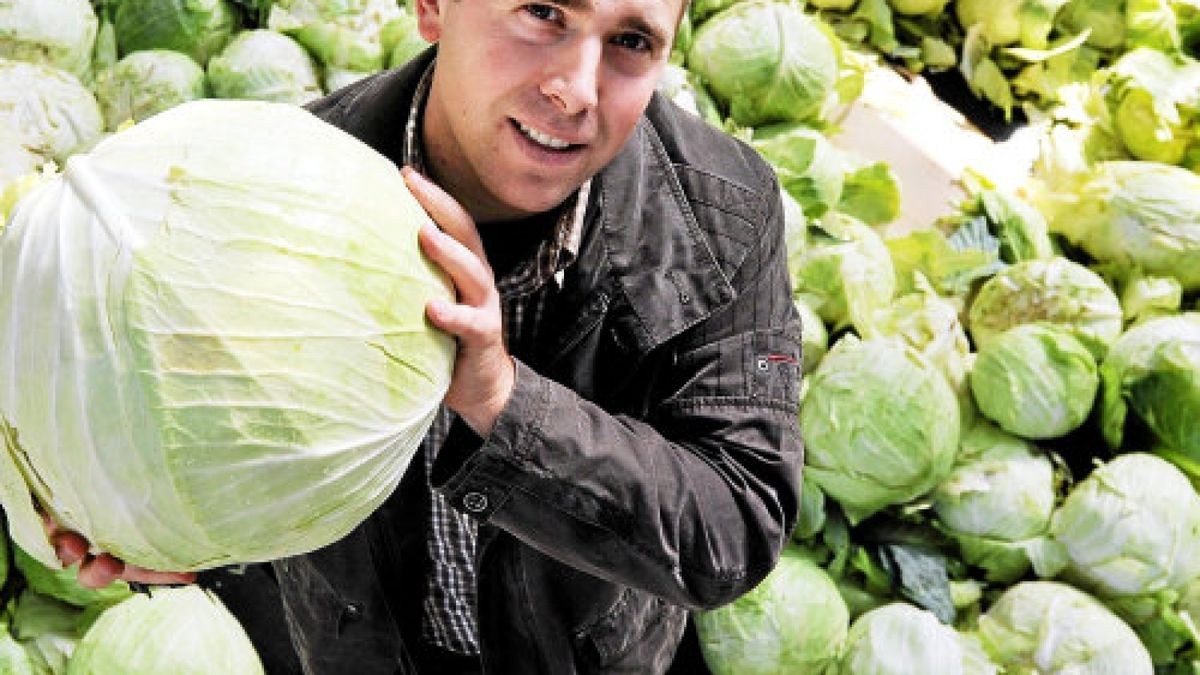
{"type": "Point", "coordinates": [530, 99]}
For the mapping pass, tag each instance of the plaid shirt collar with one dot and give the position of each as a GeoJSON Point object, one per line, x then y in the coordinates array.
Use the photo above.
{"type": "Point", "coordinates": [554, 255]}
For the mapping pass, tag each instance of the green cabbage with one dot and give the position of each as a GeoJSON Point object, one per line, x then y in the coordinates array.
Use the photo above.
{"type": "Point", "coordinates": [228, 325]}
{"type": "Point", "coordinates": [765, 62]}
{"type": "Point", "coordinates": [997, 503]}
{"type": "Point", "coordinates": [1035, 381]}
{"type": "Point", "coordinates": [900, 639]}
{"type": "Point", "coordinates": [792, 622]}
{"type": "Point", "coordinates": [266, 66]}
{"type": "Point", "coordinates": [47, 111]}
{"type": "Point", "coordinates": [198, 28]}
{"type": "Point", "coordinates": [881, 425]}
{"type": "Point", "coordinates": [56, 33]}
{"type": "Point", "coordinates": [1130, 528]}
{"type": "Point", "coordinates": [148, 82]}
{"type": "Point", "coordinates": [170, 630]}
{"type": "Point", "coordinates": [1055, 292]}
{"type": "Point", "coordinates": [343, 34]}
{"type": "Point", "coordinates": [1048, 627]}
{"type": "Point", "coordinates": [1154, 100]}
{"type": "Point", "coordinates": [1153, 372]}
{"type": "Point", "coordinates": [1140, 216]}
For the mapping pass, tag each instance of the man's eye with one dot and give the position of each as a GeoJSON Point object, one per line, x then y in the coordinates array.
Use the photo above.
{"type": "Point", "coordinates": [542, 12]}
{"type": "Point", "coordinates": [632, 41]}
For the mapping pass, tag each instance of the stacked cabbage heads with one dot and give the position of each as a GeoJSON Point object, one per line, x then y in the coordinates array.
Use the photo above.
{"type": "Point", "coordinates": [214, 345]}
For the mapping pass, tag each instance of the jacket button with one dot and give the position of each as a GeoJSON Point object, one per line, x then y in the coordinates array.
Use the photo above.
{"type": "Point", "coordinates": [475, 502]}
{"type": "Point", "coordinates": [352, 611]}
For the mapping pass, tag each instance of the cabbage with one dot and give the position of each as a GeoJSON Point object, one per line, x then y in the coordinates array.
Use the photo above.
{"type": "Point", "coordinates": [900, 639]}
{"type": "Point", "coordinates": [794, 621]}
{"type": "Point", "coordinates": [809, 168]}
{"type": "Point", "coordinates": [47, 110]}
{"type": "Point", "coordinates": [997, 503]}
{"type": "Point", "coordinates": [1153, 372]}
{"type": "Point", "coordinates": [1130, 528]}
{"type": "Point", "coordinates": [881, 425]}
{"type": "Point", "coordinates": [267, 66]}
{"type": "Point", "coordinates": [1055, 292]}
{"type": "Point", "coordinates": [213, 340]}
{"type": "Point", "coordinates": [814, 338]}
{"type": "Point", "coordinates": [344, 34]}
{"type": "Point", "coordinates": [148, 82]}
{"type": "Point", "coordinates": [1139, 216]}
{"type": "Point", "coordinates": [1035, 381]}
{"type": "Point", "coordinates": [765, 62]}
{"type": "Point", "coordinates": [198, 28]}
{"type": "Point", "coordinates": [1048, 627]}
{"type": "Point", "coordinates": [845, 273]}
{"type": "Point", "coordinates": [56, 33]}
{"type": "Point", "coordinates": [171, 630]}
{"type": "Point", "coordinates": [1154, 100]}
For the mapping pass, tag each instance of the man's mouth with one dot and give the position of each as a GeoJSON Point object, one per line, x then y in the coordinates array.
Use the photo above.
{"type": "Point", "coordinates": [543, 139]}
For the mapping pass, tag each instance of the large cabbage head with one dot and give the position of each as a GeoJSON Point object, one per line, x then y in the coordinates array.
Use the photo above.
{"type": "Point", "coordinates": [192, 633]}
{"type": "Point", "coordinates": [1049, 627]}
{"type": "Point", "coordinates": [198, 28]}
{"type": "Point", "coordinates": [148, 82]}
{"type": "Point", "coordinates": [1132, 528]}
{"type": "Point", "coordinates": [47, 110]}
{"type": "Point", "coordinates": [1054, 291]}
{"type": "Point", "coordinates": [213, 339]}
{"type": "Point", "coordinates": [266, 66]}
{"type": "Point", "coordinates": [900, 639]}
{"type": "Point", "coordinates": [1140, 216]}
{"type": "Point", "coordinates": [1035, 381]}
{"type": "Point", "coordinates": [766, 62]}
{"type": "Point", "coordinates": [997, 502]}
{"type": "Point", "coordinates": [792, 622]}
{"type": "Point", "coordinates": [1154, 100]}
{"type": "Point", "coordinates": [57, 33]}
{"type": "Point", "coordinates": [881, 425]}
{"type": "Point", "coordinates": [1153, 372]}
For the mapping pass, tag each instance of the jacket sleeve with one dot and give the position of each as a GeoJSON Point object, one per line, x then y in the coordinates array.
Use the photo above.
{"type": "Point", "coordinates": [692, 503]}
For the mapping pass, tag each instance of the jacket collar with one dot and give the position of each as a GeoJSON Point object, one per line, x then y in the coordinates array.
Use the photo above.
{"type": "Point", "coordinates": [656, 250]}
{"type": "Point", "coordinates": [660, 259]}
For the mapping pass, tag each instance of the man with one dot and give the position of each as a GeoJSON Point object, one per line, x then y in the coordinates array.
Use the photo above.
{"type": "Point", "coordinates": [619, 443]}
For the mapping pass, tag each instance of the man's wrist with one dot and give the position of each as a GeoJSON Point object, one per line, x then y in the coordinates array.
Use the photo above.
{"type": "Point", "coordinates": [482, 418]}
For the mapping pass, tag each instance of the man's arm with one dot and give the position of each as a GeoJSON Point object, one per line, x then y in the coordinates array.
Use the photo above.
{"type": "Point", "coordinates": [694, 504]}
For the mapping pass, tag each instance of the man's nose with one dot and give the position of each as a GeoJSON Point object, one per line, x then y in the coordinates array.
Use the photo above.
{"type": "Point", "coordinates": [571, 82]}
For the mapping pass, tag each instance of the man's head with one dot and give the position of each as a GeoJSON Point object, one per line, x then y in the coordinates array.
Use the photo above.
{"type": "Point", "coordinates": [529, 99]}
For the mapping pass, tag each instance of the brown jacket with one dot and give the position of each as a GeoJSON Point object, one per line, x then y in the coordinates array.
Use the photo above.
{"type": "Point", "coordinates": [649, 460]}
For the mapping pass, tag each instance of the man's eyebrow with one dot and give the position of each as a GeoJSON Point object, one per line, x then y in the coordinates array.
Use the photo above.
{"type": "Point", "coordinates": [656, 33]}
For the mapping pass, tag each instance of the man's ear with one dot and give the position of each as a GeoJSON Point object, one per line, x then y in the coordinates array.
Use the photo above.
{"type": "Point", "coordinates": [429, 18]}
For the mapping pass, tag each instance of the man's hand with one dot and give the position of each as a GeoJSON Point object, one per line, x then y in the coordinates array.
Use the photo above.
{"type": "Point", "coordinates": [484, 373]}
{"type": "Point", "coordinates": [98, 571]}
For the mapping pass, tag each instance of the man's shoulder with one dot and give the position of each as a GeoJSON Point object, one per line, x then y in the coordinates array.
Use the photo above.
{"type": "Point", "coordinates": [702, 153]}
{"type": "Point", "coordinates": [721, 177]}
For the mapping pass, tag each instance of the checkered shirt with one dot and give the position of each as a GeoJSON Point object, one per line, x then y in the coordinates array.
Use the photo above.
{"type": "Point", "coordinates": [449, 612]}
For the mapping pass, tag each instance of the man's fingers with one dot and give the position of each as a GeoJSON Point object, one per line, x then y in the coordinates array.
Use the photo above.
{"type": "Point", "coordinates": [70, 547]}
{"type": "Point", "coordinates": [145, 576]}
{"type": "Point", "coordinates": [464, 322]}
{"type": "Point", "coordinates": [470, 273]}
{"type": "Point", "coordinates": [100, 571]}
{"type": "Point", "coordinates": [445, 211]}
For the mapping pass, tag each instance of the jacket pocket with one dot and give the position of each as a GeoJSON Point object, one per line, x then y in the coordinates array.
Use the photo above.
{"type": "Point", "coordinates": [637, 634]}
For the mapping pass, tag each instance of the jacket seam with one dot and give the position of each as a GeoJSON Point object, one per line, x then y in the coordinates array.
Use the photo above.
{"type": "Point", "coordinates": [730, 402]}
{"type": "Point", "coordinates": [754, 196]}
